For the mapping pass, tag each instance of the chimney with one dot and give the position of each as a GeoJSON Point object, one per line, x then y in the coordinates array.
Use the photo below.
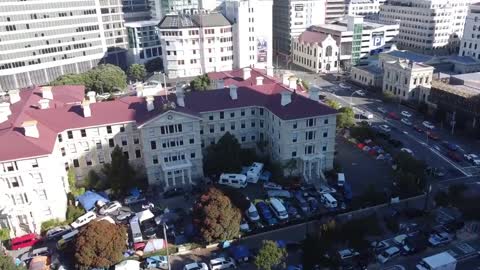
{"type": "Point", "coordinates": [44, 103]}
{"type": "Point", "coordinates": [150, 106]}
{"type": "Point", "coordinates": [292, 83]}
{"type": "Point", "coordinates": [259, 80]}
{"type": "Point", "coordinates": [286, 98]}
{"type": "Point", "coordinates": [92, 96]}
{"type": "Point", "coordinates": [5, 108]}
{"type": "Point", "coordinates": [180, 96]}
{"type": "Point", "coordinates": [139, 89]}
{"type": "Point", "coordinates": [47, 92]}
{"type": "Point", "coordinates": [246, 73]}
{"type": "Point", "coordinates": [233, 92]}
{"type": "Point", "coordinates": [30, 128]}
{"type": "Point", "coordinates": [220, 84]}
{"type": "Point", "coordinates": [270, 71]}
{"type": "Point", "coordinates": [285, 78]}
{"type": "Point", "coordinates": [313, 93]}
{"type": "Point", "coordinates": [14, 96]}
{"type": "Point", "coordinates": [87, 112]}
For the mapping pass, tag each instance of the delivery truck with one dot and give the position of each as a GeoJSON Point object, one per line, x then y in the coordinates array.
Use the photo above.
{"type": "Point", "coordinates": [440, 261]}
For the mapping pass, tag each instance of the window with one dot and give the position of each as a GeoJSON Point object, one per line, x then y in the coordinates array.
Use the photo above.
{"type": "Point", "coordinates": [253, 137]}
{"type": "Point", "coordinates": [88, 160]}
{"type": "Point", "coordinates": [261, 123]}
{"type": "Point", "coordinates": [261, 111]}
{"type": "Point", "coordinates": [85, 146]}
{"type": "Point", "coordinates": [309, 149]}
{"type": "Point", "coordinates": [70, 134]}
{"type": "Point", "coordinates": [83, 132]}
{"type": "Point", "coordinates": [252, 112]}
{"type": "Point", "coordinates": [295, 125]}
{"type": "Point", "coordinates": [111, 143]}
{"type": "Point", "coordinates": [34, 163]}
{"type": "Point", "coordinates": [62, 150]}
{"type": "Point", "coordinates": [42, 194]}
{"type": "Point", "coordinates": [232, 114]}
{"type": "Point", "coordinates": [242, 124]}
{"type": "Point", "coordinates": [192, 155]}
{"type": "Point", "coordinates": [75, 163]}
{"type": "Point", "coordinates": [210, 117]}
{"type": "Point", "coordinates": [294, 153]}
{"type": "Point", "coordinates": [101, 158]}
{"type": "Point", "coordinates": [252, 124]}
{"type": "Point", "coordinates": [192, 140]}
{"type": "Point", "coordinates": [232, 126]}
{"type": "Point", "coordinates": [153, 145]}
{"type": "Point", "coordinates": [222, 127]}
{"type": "Point", "coordinates": [125, 154]}
{"type": "Point", "coordinates": [325, 134]}
{"type": "Point", "coordinates": [294, 137]}
{"type": "Point", "coordinates": [138, 154]}
{"type": "Point", "coordinates": [243, 138]}
{"type": "Point", "coordinates": [122, 129]}
{"type": "Point", "coordinates": [325, 121]}
{"type": "Point", "coordinates": [124, 141]}
{"type": "Point", "coordinates": [212, 129]}
{"type": "Point", "coordinates": [109, 129]}
{"type": "Point", "coordinates": [136, 140]}
{"type": "Point", "coordinates": [310, 122]}
{"type": "Point", "coordinates": [242, 112]}
{"type": "Point", "coordinates": [60, 139]}
{"type": "Point", "coordinates": [155, 159]}
{"type": "Point", "coordinates": [309, 135]}
{"type": "Point", "coordinates": [324, 148]}
{"type": "Point", "coordinates": [221, 115]}
{"type": "Point", "coordinates": [98, 144]}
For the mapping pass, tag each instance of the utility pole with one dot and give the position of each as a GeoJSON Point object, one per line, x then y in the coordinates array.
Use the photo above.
{"type": "Point", "coordinates": [453, 121]}
{"type": "Point", "coordinates": [166, 243]}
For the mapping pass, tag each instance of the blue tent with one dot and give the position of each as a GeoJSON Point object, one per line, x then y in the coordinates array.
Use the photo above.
{"type": "Point", "coordinates": [89, 198]}
{"type": "Point", "coordinates": [135, 192]}
{"type": "Point", "coordinates": [240, 253]}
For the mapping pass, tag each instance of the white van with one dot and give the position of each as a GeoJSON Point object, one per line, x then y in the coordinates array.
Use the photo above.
{"type": "Point", "coordinates": [135, 230]}
{"type": "Point", "coordinates": [252, 213]}
{"type": "Point", "coordinates": [84, 220]}
{"type": "Point", "coordinates": [254, 172]}
{"type": "Point", "coordinates": [278, 209]}
{"type": "Point", "coordinates": [328, 200]}
{"type": "Point", "coordinates": [233, 180]}
{"type": "Point", "coordinates": [340, 179]}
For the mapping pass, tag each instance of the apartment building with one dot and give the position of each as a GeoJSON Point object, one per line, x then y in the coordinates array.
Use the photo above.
{"type": "Point", "coordinates": [252, 32]}
{"type": "Point", "coordinates": [143, 41]}
{"type": "Point", "coordinates": [335, 9]}
{"type": "Point", "coordinates": [356, 40]}
{"type": "Point", "coordinates": [193, 44]}
{"type": "Point", "coordinates": [291, 18]}
{"type": "Point", "coordinates": [470, 44]}
{"type": "Point", "coordinates": [367, 8]}
{"type": "Point", "coordinates": [160, 8]}
{"type": "Point", "coordinates": [427, 26]}
{"type": "Point", "coordinates": [46, 130]}
{"type": "Point", "coordinates": [41, 41]}
{"type": "Point", "coordinates": [136, 10]}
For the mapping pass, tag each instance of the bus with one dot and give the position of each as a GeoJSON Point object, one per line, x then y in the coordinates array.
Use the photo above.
{"type": "Point", "coordinates": [135, 230]}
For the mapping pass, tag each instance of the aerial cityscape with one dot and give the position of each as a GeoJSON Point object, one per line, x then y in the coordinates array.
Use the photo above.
{"type": "Point", "coordinates": [240, 134]}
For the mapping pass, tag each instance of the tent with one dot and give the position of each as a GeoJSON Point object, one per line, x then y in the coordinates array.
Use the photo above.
{"type": "Point", "coordinates": [154, 245]}
{"type": "Point", "coordinates": [89, 198]}
{"type": "Point", "coordinates": [145, 215]}
{"type": "Point", "coordinates": [128, 265]}
{"type": "Point", "coordinates": [240, 253]}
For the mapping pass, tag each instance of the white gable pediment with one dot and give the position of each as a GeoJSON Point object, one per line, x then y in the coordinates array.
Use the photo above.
{"type": "Point", "coordinates": [169, 117]}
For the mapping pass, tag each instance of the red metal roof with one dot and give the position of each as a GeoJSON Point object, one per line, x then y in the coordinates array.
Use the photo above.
{"type": "Point", "coordinates": [65, 111]}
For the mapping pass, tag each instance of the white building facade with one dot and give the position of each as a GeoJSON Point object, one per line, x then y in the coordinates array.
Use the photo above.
{"type": "Point", "coordinates": [316, 52]}
{"type": "Point", "coordinates": [193, 44]}
{"type": "Point", "coordinates": [470, 44]}
{"type": "Point", "coordinates": [41, 41]}
{"type": "Point", "coordinates": [367, 8]}
{"type": "Point", "coordinates": [427, 26]}
{"type": "Point", "coordinates": [252, 32]}
{"type": "Point", "coordinates": [143, 41]}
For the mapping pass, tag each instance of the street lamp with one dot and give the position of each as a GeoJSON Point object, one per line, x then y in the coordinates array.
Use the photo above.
{"type": "Point", "coordinates": [351, 97]}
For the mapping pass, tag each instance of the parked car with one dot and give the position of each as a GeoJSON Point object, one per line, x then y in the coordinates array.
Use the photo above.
{"type": "Point", "coordinates": [222, 263]}
{"type": "Point", "coordinates": [110, 207]}
{"type": "Point", "coordinates": [406, 150]}
{"type": "Point", "coordinates": [134, 199]}
{"type": "Point", "coordinates": [433, 136]}
{"type": "Point", "coordinates": [347, 253]}
{"type": "Point", "coordinates": [313, 203]}
{"type": "Point", "coordinates": [428, 125]}
{"type": "Point", "coordinates": [385, 128]}
{"type": "Point", "coordinates": [418, 128]}
{"type": "Point", "coordinates": [406, 114]}
{"type": "Point", "coordinates": [244, 227]}
{"type": "Point", "coordinates": [57, 232]}
{"type": "Point", "coordinates": [291, 210]}
{"type": "Point", "coordinates": [388, 254]}
{"type": "Point", "coordinates": [393, 116]}
{"type": "Point", "coordinates": [149, 228]}
{"type": "Point", "coordinates": [271, 185]}
{"type": "Point", "coordinates": [450, 146]}
{"type": "Point", "coordinates": [344, 86]}
{"type": "Point", "coordinates": [302, 203]}
{"type": "Point", "coordinates": [382, 110]}
{"type": "Point", "coordinates": [83, 219]}
{"type": "Point", "coordinates": [173, 192]}
{"type": "Point", "coordinates": [406, 121]}
{"type": "Point", "coordinates": [279, 194]}
{"type": "Point", "coordinates": [123, 216]}
{"type": "Point", "coordinates": [472, 158]}
{"type": "Point", "coordinates": [454, 156]}
{"type": "Point", "coordinates": [440, 238]}
{"type": "Point", "coordinates": [379, 246]}
{"type": "Point", "coordinates": [156, 262]}
{"type": "Point", "coordinates": [44, 251]}
{"type": "Point", "coordinates": [398, 240]}
{"type": "Point", "coordinates": [196, 266]}
{"type": "Point", "coordinates": [414, 244]}
{"type": "Point", "coordinates": [240, 253]}
{"type": "Point", "coordinates": [252, 213]}
{"type": "Point", "coordinates": [361, 93]}
{"type": "Point", "coordinates": [266, 213]}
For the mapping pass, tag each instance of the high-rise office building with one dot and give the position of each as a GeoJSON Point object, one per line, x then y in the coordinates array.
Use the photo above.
{"type": "Point", "coordinates": [470, 44]}
{"type": "Point", "coordinates": [136, 10]}
{"type": "Point", "coordinates": [159, 8]}
{"type": "Point", "coordinates": [427, 26]}
{"type": "Point", "coordinates": [334, 9]}
{"type": "Point", "coordinates": [41, 41]}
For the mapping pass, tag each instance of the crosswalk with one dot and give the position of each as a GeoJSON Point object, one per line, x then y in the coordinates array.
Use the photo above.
{"type": "Point", "coordinates": [473, 170]}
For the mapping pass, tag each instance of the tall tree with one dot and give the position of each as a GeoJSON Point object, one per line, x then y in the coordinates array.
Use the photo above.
{"type": "Point", "coordinates": [269, 255]}
{"type": "Point", "coordinates": [155, 64]}
{"type": "Point", "coordinates": [136, 72]}
{"type": "Point", "coordinates": [119, 173]}
{"type": "Point", "coordinates": [345, 117]}
{"type": "Point", "coordinates": [100, 244]}
{"type": "Point", "coordinates": [224, 156]}
{"type": "Point", "coordinates": [106, 78]}
{"type": "Point", "coordinates": [216, 216]}
{"type": "Point", "coordinates": [70, 79]}
{"type": "Point", "coordinates": [333, 104]}
{"type": "Point", "coordinates": [201, 82]}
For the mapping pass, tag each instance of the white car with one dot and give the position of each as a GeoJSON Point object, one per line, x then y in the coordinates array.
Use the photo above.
{"type": "Point", "coordinates": [385, 128]}
{"type": "Point", "coordinates": [382, 110]}
{"type": "Point", "coordinates": [440, 238]}
{"type": "Point", "coordinates": [388, 254]}
{"type": "Point", "coordinates": [196, 266]}
{"type": "Point", "coordinates": [406, 121]}
{"type": "Point", "coordinates": [360, 93]}
{"type": "Point", "coordinates": [110, 207]}
{"type": "Point", "coordinates": [406, 114]}
{"type": "Point", "coordinates": [222, 263]}
{"type": "Point", "coordinates": [406, 150]}
{"type": "Point", "coordinates": [57, 232]}
{"type": "Point", "coordinates": [474, 159]}
{"type": "Point", "coordinates": [344, 86]}
{"type": "Point", "coordinates": [271, 185]}
{"type": "Point", "coordinates": [252, 213]}
{"type": "Point", "coordinates": [83, 220]}
{"type": "Point", "coordinates": [428, 125]}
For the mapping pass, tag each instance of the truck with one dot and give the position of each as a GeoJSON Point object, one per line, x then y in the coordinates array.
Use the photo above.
{"type": "Point", "coordinates": [440, 261]}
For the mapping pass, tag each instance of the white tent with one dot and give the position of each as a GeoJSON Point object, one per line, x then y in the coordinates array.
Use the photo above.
{"type": "Point", "coordinates": [144, 215]}
{"type": "Point", "coordinates": [128, 265]}
{"type": "Point", "coordinates": [154, 245]}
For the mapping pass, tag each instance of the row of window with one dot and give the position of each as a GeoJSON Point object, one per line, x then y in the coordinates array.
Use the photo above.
{"type": "Point", "coordinates": [93, 132]}
{"type": "Point", "coordinates": [101, 158]}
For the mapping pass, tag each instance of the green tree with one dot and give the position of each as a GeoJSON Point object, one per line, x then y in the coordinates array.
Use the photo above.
{"type": "Point", "coordinates": [155, 64]}
{"type": "Point", "coordinates": [8, 263]}
{"type": "Point", "coordinates": [201, 82]}
{"type": "Point", "coordinates": [106, 78]}
{"type": "Point", "coordinates": [73, 212]}
{"type": "Point", "coordinates": [93, 181]}
{"type": "Point", "coordinates": [137, 72]}
{"type": "Point", "coordinates": [410, 175]}
{"type": "Point", "coordinates": [72, 181]}
{"type": "Point", "coordinates": [269, 255]}
{"type": "Point", "coordinates": [70, 79]}
{"type": "Point", "coordinates": [100, 244]}
{"type": "Point", "coordinates": [218, 219]}
{"type": "Point", "coordinates": [4, 236]}
{"type": "Point", "coordinates": [362, 133]}
{"type": "Point", "coordinates": [332, 103]}
{"type": "Point", "coordinates": [119, 173]}
{"type": "Point", "coordinates": [290, 166]}
{"type": "Point", "coordinates": [345, 117]}
{"type": "Point", "coordinates": [224, 156]}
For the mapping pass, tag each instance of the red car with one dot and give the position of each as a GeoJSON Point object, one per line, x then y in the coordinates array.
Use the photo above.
{"type": "Point", "coordinates": [418, 128]}
{"type": "Point", "coordinates": [454, 156]}
{"type": "Point", "coordinates": [394, 116]}
{"type": "Point", "coordinates": [433, 136]}
{"type": "Point", "coordinates": [23, 241]}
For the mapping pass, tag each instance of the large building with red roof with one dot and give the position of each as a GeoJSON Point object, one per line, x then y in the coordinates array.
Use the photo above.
{"type": "Point", "coordinates": [46, 130]}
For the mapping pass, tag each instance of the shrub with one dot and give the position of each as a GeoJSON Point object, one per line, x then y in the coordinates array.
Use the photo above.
{"type": "Point", "coordinates": [51, 223]}
{"type": "Point", "coordinates": [73, 212]}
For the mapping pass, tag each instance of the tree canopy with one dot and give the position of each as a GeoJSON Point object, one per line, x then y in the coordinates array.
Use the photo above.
{"type": "Point", "coordinates": [8, 263]}
{"type": "Point", "coordinates": [224, 156]}
{"type": "Point", "coordinates": [333, 104]}
{"type": "Point", "coordinates": [217, 218]}
{"type": "Point", "coordinates": [100, 244]}
{"type": "Point", "coordinates": [345, 118]}
{"type": "Point", "coordinates": [119, 173]}
{"type": "Point", "coordinates": [201, 82]}
{"type": "Point", "coordinates": [410, 175]}
{"type": "Point", "coordinates": [156, 64]}
{"type": "Point", "coordinates": [269, 255]}
{"type": "Point", "coordinates": [137, 72]}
